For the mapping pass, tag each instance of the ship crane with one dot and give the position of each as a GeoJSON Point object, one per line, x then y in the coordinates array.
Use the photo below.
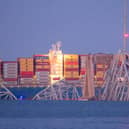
{"type": "Point", "coordinates": [116, 85]}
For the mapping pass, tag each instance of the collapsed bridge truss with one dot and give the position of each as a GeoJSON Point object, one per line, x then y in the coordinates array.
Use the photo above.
{"type": "Point", "coordinates": [5, 93]}
{"type": "Point", "coordinates": [61, 90]}
{"type": "Point", "coordinates": [116, 86]}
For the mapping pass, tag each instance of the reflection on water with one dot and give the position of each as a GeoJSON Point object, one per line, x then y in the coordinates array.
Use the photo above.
{"type": "Point", "coordinates": [86, 123]}
{"type": "Point", "coordinates": [64, 115]}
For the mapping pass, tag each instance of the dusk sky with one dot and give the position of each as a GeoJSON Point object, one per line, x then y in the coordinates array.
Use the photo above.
{"type": "Point", "coordinates": [29, 27]}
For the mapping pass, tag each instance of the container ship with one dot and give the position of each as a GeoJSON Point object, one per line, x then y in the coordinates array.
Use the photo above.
{"type": "Point", "coordinates": [27, 76]}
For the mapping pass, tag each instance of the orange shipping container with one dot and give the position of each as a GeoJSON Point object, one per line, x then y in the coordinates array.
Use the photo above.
{"type": "Point", "coordinates": [99, 74]}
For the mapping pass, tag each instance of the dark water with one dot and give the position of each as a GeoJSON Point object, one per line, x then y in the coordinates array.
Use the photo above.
{"type": "Point", "coordinates": [64, 115]}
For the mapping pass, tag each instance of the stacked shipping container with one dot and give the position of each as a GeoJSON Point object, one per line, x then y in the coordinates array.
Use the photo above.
{"type": "Point", "coordinates": [102, 63]}
{"type": "Point", "coordinates": [42, 70]}
{"type": "Point", "coordinates": [10, 73]}
{"type": "Point", "coordinates": [26, 71]}
{"type": "Point", "coordinates": [71, 67]}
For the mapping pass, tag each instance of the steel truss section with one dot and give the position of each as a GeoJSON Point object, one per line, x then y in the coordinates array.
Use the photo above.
{"type": "Point", "coordinates": [116, 86]}
{"type": "Point", "coordinates": [6, 94]}
{"type": "Point", "coordinates": [61, 90]}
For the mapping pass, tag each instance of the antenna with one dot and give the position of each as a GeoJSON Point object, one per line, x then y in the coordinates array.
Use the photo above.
{"type": "Point", "coordinates": [126, 35]}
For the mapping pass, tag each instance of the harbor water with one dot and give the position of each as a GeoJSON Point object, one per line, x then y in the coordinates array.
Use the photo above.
{"type": "Point", "coordinates": [64, 115]}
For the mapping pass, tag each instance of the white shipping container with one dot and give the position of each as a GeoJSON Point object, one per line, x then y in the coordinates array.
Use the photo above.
{"type": "Point", "coordinates": [43, 82]}
{"type": "Point", "coordinates": [10, 82]}
{"type": "Point", "coordinates": [42, 73]}
{"type": "Point", "coordinates": [10, 76]}
{"type": "Point", "coordinates": [9, 65]}
{"type": "Point", "coordinates": [26, 79]}
{"type": "Point", "coordinates": [9, 69]}
{"type": "Point", "coordinates": [42, 76]}
{"type": "Point", "coordinates": [9, 72]}
{"type": "Point", "coordinates": [4, 69]}
{"type": "Point", "coordinates": [6, 74]}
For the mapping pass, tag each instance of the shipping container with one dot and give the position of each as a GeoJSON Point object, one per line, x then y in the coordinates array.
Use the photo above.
{"type": "Point", "coordinates": [71, 78]}
{"type": "Point", "coordinates": [102, 63]}
{"type": "Point", "coordinates": [41, 56]}
{"type": "Point", "coordinates": [27, 81]}
{"type": "Point", "coordinates": [101, 58]}
{"type": "Point", "coordinates": [71, 66]}
{"type": "Point", "coordinates": [10, 70]}
{"type": "Point", "coordinates": [42, 70]}
{"type": "Point", "coordinates": [42, 77]}
{"type": "Point", "coordinates": [42, 66]}
{"type": "Point", "coordinates": [26, 67]}
{"type": "Point", "coordinates": [42, 63]}
{"type": "Point", "coordinates": [10, 83]}
{"type": "Point", "coordinates": [10, 73]}
{"type": "Point", "coordinates": [56, 78]}
{"type": "Point", "coordinates": [100, 74]}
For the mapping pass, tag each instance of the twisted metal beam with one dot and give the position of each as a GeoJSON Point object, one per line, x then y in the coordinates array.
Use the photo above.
{"type": "Point", "coordinates": [61, 90]}
{"type": "Point", "coordinates": [5, 93]}
{"type": "Point", "coordinates": [116, 86]}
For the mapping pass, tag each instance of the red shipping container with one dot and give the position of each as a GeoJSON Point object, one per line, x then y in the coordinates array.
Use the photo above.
{"type": "Point", "coordinates": [26, 73]}
{"type": "Point", "coordinates": [83, 69]}
{"type": "Point", "coordinates": [71, 78]}
{"type": "Point", "coordinates": [26, 76]}
{"type": "Point", "coordinates": [71, 63]}
{"type": "Point", "coordinates": [10, 79]}
{"type": "Point", "coordinates": [71, 69]}
{"type": "Point", "coordinates": [56, 78]}
{"type": "Point", "coordinates": [42, 63]}
{"type": "Point", "coordinates": [82, 72]}
{"type": "Point", "coordinates": [100, 69]}
{"type": "Point", "coordinates": [38, 55]}
{"type": "Point", "coordinates": [99, 79]}
{"type": "Point", "coordinates": [38, 70]}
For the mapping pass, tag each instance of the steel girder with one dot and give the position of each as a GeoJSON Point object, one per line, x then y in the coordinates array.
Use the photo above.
{"type": "Point", "coordinates": [61, 90]}
{"type": "Point", "coordinates": [116, 86]}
